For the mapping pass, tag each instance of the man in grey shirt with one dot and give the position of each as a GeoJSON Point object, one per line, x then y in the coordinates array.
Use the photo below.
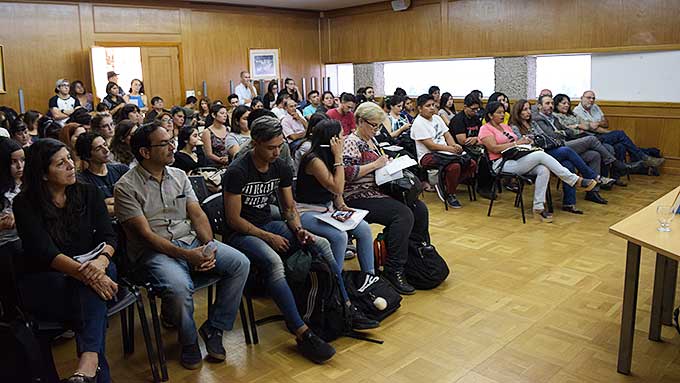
{"type": "Point", "coordinates": [167, 235]}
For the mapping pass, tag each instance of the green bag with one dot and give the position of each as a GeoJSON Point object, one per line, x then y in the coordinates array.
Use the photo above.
{"type": "Point", "coordinates": [298, 266]}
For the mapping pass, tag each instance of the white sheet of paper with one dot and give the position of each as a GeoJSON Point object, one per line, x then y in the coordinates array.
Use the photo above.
{"type": "Point", "coordinates": [92, 254]}
{"type": "Point", "coordinates": [382, 176]}
{"type": "Point", "coordinates": [393, 148]}
{"type": "Point", "coordinates": [399, 164]}
{"type": "Point", "coordinates": [350, 224]}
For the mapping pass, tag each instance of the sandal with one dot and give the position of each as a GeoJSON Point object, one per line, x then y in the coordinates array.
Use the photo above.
{"type": "Point", "coordinates": [586, 184]}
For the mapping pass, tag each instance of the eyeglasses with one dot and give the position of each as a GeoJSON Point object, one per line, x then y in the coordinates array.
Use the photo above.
{"type": "Point", "coordinates": [590, 98]}
{"type": "Point", "coordinates": [476, 108]}
{"type": "Point", "coordinates": [163, 144]}
{"type": "Point", "coordinates": [166, 120]}
{"type": "Point", "coordinates": [372, 125]}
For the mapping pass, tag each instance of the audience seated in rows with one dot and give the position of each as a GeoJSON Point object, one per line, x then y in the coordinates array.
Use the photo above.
{"type": "Point", "coordinates": [497, 136]}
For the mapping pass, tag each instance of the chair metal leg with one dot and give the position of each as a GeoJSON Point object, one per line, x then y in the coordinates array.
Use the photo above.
{"type": "Point", "coordinates": [131, 329]}
{"type": "Point", "coordinates": [244, 323]}
{"type": "Point", "coordinates": [124, 331]}
{"type": "Point", "coordinates": [155, 319]}
{"type": "Point", "coordinates": [251, 319]}
{"type": "Point", "coordinates": [147, 338]}
{"type": "Point", "coordinates": [493, 197]}
{"type": "Point", "coordinates": [548, 196]}
{"type": "Point", "coordinates": [521, 200]}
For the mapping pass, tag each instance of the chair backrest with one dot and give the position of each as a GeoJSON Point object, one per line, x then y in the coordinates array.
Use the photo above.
{"type": "Point", "coordinates": [9, 296]}
{"type": "Point", "coordinates": [200, 187]}
{"type": "Point", "coordinates": [213, 207]}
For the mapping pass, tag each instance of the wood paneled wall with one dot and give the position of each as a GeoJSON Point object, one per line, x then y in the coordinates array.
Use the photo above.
{"type": "Point", "coordinates": [46, 41]}
{"type": "Point", "coordinates": [488, 28]}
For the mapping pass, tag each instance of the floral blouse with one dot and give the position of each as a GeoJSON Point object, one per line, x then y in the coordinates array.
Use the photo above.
{"type": "Point", "coordinates": [356, 153]}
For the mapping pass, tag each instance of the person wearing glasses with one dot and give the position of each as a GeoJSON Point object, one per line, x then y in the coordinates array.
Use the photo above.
{"type": "Point", "coordinates": [103, 125]}
{"type": "Point", "coordinates": [101, 172]}
{"type": "Point", "coordinates": [361, 157]}
{"type": "Point", "coordinates": [167, 237]}
{"type": "Point", "coordinates": [497, 137]}
{"type": "Point", "coordinates": [62, 104]}
{"type": "Point", "coordinates": [597, 124]}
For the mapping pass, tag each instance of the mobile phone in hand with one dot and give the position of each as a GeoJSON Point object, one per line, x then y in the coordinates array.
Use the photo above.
{"type": "Point", "coordinates": [341, 215]}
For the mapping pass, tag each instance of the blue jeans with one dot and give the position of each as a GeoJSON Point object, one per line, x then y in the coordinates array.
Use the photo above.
{"type": "Point", "coordinates": [571, 160]}
{"type": "Point", "coordinates": [176, 280]}
{"type": "Point", "coordinates": [338, 240]}
{"type": "Point", "coordinates": [618, 139]}
{"type": "Point", "coordinates": [56, 297]}
{"type": "Point", "coordinates": [267, 259]}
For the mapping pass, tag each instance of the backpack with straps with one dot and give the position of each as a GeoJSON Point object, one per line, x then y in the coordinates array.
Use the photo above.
{"type": "Point", "coordinates": [425, 268]}
{"type": "Point", "coordinates": [374, 296]}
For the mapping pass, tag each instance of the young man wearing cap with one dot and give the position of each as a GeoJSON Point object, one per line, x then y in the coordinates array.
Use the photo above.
{"type": "Point", "coordinates": [62, 105]}
{"type": "Point", "coordinates": [113, 77]}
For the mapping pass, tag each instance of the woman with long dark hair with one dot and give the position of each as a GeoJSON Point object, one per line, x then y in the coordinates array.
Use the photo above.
{"type": "Point", "coordinates": [113, 100]}
{"type": "Point", "coordinates": [269, 98]}
{"type": "Point", "coordinates": [58, 218]}
{"type": "Point", "coordinates": [85, 98]}
{"type": "Point", "coordinates": [31, 119]}
{"type": "Point", "coordinates": [240, 134]}
{"type": "Point", "coordinates": [214, 137]}
{"type": "Point", "coordinates": [320, 183]}
{"type": "Point", "coordinates": [189, 155]}
{"type": "Point", "coordinates": [307, 140]}
{"type": "Point", "coordinates": [203, 111]}
{"type": "Point", "coordinates": [11, 171]}
{"type": "Point", "coordinates": [446, 108]}
{"type": "Point", "coordinates": [120, 145]}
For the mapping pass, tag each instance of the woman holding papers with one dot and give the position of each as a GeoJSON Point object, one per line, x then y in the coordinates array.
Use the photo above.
{"type": "Point", "coordinates": [361, 158]}
{"type": "Point", "coordinates": [57, 219]}
{"type": "Point", "coordinates": [320, 183]}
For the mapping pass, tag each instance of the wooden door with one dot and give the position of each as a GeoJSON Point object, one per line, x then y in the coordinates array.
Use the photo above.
{"type": "Point", "coordinates": [160, 68]}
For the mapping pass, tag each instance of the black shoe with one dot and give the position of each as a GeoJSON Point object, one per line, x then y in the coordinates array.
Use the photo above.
{"type": "Point", "coordinates": [191, 357]}
{"type": "Point", "coordinates": [621, 168]}
{"type": "Point", "coordinates": [314, 348]}
{"type": "Point", "coordinates": [621, 182]}
{"type": "Point", "coordinates": [572, 209]}
{"type": "Point", "coordinates": [594, 196]}
{"type": "Point", "coordinates": [213, 341]}
{"type": "Point", "coordinates": [79, 377]}
{"type": "Point", "coordinates": [360, 321]}
{"type": "Point", "coordinates": [398, 281]}
{"type": "Point", "coordinates": [453, 202]}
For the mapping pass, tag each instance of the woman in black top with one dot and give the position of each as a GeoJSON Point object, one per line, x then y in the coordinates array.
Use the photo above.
{"type": "Point", "coordinates": [189, 156]}
{"type": "Point", "coordinates": [113, 99]}
{"type": "Point", "coordinates": [57, 219]}
{"type": "Point", "coordinates": [270, 97]}
{"type": "Point", "coordinates": [320, 183]}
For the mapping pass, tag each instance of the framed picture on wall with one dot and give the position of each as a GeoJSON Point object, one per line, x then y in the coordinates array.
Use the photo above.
{"type": "Point", "coordinates": [3, 87]}
{"type": "Point", "coordinates": [264, 64]}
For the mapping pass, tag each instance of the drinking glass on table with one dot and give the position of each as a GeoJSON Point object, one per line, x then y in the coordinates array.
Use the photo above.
{"type": "Point", "coordinates": [665, 215]}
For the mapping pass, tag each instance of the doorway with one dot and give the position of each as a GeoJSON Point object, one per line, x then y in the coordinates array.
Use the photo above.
{"type": "Point", "coordinates": [156, 66]}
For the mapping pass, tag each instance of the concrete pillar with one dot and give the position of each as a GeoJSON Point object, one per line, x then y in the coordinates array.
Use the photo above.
{"type": "Point", "coordinates": [370, 75]}
{"type": "Point", "coordinates": [516, 76]}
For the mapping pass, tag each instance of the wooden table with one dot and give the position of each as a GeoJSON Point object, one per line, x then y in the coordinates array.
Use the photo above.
{"type": "Point", "coordinates": [640, 231]}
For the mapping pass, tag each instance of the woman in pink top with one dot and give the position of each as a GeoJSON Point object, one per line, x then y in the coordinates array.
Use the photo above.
{"type": "Point", "coordinates": [497, 136]}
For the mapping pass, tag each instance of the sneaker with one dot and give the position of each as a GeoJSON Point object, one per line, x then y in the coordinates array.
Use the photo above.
{"type": "Point", "coordinates": [191, 357]}
{"type": "Point", "coordinates": [360, 321]}
{"type": "Point", "coordinates": [213, 341]}
{"type": "Point", "coordinates": [440, 192]}
{"type": "Point", "coordinates": [606, 181]}
{"type": "Point", "coordinates": [351, 252]}
{"type": "Point", "coordinates": [453, 202]}
{"type": "Point", "coordinates": [314, 348]}
{"type": "Point", "coordinates": [398, 281]}
{"type": "Point", "coordinates": [543, 216]}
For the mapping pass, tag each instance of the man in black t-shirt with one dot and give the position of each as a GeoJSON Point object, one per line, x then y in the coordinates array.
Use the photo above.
{"type": "Point", "coordinates": [92, 148]}
{"type": "Point", "coordinates": [247, 185]}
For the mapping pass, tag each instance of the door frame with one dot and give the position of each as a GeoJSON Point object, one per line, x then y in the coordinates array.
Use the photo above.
{"type": "Point", "coordinates": [122, 44]}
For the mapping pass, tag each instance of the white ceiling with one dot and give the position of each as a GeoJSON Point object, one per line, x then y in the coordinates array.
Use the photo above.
{"type": "Point", "coordinates": [312, 5]}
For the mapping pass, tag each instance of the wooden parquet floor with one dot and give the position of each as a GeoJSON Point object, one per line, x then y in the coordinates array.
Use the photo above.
{"type": "Point", "coordinates": [524, 303]}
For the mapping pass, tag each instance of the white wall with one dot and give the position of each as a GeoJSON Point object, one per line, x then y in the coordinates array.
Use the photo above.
{"type": "Point", "coordinates": [653, 76]}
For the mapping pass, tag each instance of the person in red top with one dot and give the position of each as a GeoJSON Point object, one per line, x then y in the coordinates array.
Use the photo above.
{"type": "Point", "coordinates": [343, 113]}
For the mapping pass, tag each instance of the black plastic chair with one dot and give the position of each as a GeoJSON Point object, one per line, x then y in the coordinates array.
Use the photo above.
{"type": "Point", "coordinates": [521, 180]}
{"type": "Point", "coordinates": [213, 207]}
{"type": "Point", "coordinates": [200, 187]}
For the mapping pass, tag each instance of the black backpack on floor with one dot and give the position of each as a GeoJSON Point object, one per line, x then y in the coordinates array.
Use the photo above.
{"type": "Point", "coordinates": [319, 301]}
{"type": "Point", "coordinates": [364, 289]}
{"type": "Point", "coordinates": [425, 268]}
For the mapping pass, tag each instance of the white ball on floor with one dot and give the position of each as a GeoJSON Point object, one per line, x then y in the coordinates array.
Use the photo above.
{"type": "Point", "coordinates": [380, 303]}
